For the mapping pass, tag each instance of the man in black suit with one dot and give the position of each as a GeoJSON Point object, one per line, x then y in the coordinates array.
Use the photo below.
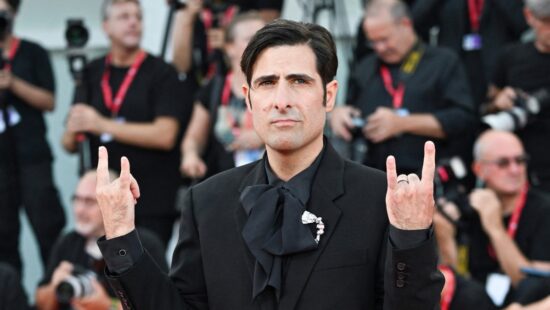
{"type": "Point", "coordinates": [300, 229]}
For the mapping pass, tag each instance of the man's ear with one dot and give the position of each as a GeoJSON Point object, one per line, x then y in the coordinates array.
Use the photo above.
{"type": "Point", "coordinates": [477, 169]}
{"type": "Point", "coordinates": [331, 91]}
{"type": "Point", "coordinates": [246, 93]}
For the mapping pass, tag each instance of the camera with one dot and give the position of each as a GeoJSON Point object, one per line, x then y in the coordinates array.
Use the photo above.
{"type": "Point", "coordinates": [449, 186]}
{"type": "Point", "coordinates": [5, 24]}
{"type": "Point", "coordinates": [77, 285]}
{"type": "Point", "coordinates": [358, 147]}
{"type": "Point", "coordinates": [76, 34]}
{"type": "Point", "coordinates": [526, 107]}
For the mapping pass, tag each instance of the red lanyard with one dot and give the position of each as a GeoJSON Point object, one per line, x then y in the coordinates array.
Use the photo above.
{"type": "Point", "coordinates": [475, 8]}
{"type": "Point", "coordinates": [11, 53]}
{"type": "Point", "coordinates": [396, 93]}
{"type": "Point", "coordinates": [514, 220]}
{"type": "Point", "coordinates": [450, 286]}
{"type": "Point", "coordinates": [114, 106]}
{"type": "Point", "coordinates": [226, 92]}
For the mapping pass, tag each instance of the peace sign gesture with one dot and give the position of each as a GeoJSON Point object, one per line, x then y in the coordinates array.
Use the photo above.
{"type": "Point", "coordinates": [116, 199]}
{"type": "Point", "coordinates": [409, 200]}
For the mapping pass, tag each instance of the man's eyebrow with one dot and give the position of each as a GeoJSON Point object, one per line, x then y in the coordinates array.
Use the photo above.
{"type": "Point", "coordinates": [271, 77]}
{"type": "Point", "coordinates": [299, 76]}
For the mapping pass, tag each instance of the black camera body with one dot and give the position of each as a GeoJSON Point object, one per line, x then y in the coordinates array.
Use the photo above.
{"type": "Point", "coordinates": [526, 108]}
{"type": "Point", "coordinates": [77, 285]}
{"type": "Point", "coordinates": [449, 186]}
{"type": "Point", "coordinates": [358, 146]}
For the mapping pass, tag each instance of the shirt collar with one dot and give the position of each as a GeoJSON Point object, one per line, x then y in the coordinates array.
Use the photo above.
{"type": "Point", "coordinates": [300, 184]}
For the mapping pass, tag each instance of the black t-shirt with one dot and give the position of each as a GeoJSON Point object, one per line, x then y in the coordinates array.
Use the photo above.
{"type": "Point", "coordinates": [438, 86]}
{"type": "Point", "coordinates": [532, 236]}
{"type": "Point", "coordinates": [523, 66]}
{"type": "Point", "coordinates": [154, 92]}
{"type": "Point", "coordinates": [31, 64]}
{"type": "Point", "coordinates": [72, 248]}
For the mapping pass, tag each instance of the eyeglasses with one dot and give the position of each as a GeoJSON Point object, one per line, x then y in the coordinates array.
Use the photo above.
{"type": "Point", "coordinates": [85, 201]}
{"type": "Point", "coordinates": [505, 162]}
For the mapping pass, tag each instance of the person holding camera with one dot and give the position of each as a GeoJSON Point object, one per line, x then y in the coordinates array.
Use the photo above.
{"type": "Point", "coordinates": [405, 93]}
{"type": "Point", "coordinates": [220, 135]}
{"type": "Point", "coordinates": [510, 229]}
{"type": "Point", "coordinates": [135, 104]}
{"type": "Point", "coordinates": [199, 28]}
{"type": "Point", "coordinates": [301, 228]}
{"type": "Point", "coordinates": [77, 262]}
{"type": "Point", "coordinates": [26, 91]}
{"type": "Point", "coordinates": [521, 74]}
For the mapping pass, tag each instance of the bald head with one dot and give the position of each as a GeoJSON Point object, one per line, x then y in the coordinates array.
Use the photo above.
{"type": "Point", "coordinates": [396, 9]}
{"type": "Point", "coordinates": [492, 140]}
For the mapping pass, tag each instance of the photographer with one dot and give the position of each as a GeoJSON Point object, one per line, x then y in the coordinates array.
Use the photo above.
{"type": "Point", "coordinates": [521, 72]}
{"type": "Point", "coordinates": [77, 252]}
{"type": "Point", "coordinates": [512, 228]}
{"type": "Point", "coordinates": [198, 32]}
{"type": "Point", "coordinates": [26, 180]}
{"type": "Point", "coordinates": [406, 93]}
{"type": "Point", "coordinates": [136, 106]}
{"type": "Point", "coordinates": [220, 134]}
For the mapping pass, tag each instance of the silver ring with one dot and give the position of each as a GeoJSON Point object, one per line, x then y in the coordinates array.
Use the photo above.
{"type": "Point", "coordinates": [402, 178]}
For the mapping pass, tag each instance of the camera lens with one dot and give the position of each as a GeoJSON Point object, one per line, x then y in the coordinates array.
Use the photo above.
{"type": "Point", "coordinates": [76, 34]}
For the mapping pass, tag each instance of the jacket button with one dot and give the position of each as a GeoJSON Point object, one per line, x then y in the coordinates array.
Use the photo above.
{"type": "Point", "coordinates": [122, 252]}
{"type": "Point", "coordinates": [401, 266]}
{"type": "Point", "coordinates": [400, 283]}
{"type": "Point", "coordinates": [401, 276]}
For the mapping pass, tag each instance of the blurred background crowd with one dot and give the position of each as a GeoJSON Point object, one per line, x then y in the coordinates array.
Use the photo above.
{"type": "Point", "coordinates": [471, 75]}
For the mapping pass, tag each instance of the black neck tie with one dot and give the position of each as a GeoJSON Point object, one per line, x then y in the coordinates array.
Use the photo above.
{"type": "Point", "coordinates": [273, 229]}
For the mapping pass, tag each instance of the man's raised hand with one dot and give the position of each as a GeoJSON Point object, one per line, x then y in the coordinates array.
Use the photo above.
{"type": "Point", "coordinates": [117, 198]}
{"type": "Point", "coordinates": [409, 200]}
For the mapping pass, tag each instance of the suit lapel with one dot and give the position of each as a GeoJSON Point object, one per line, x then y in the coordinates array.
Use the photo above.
{"type": "Point", "coordinates": [327, 186]}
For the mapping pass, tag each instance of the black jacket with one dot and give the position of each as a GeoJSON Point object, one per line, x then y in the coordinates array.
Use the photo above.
{"type": "Point", "coordinates": [212, 267]}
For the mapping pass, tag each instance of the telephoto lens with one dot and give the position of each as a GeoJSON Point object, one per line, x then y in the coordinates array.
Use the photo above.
{"type": "Point", "coordinates": [77, 285]}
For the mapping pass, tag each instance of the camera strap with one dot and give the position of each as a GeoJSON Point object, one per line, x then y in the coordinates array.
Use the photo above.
{"type": "Point", "coordinates": [475, 9]}
{"type": "Point", "coordinates": [15, 42]}
{"type": "Point", "coordinates": [449, 289]}
{"type": "Point", "coordinates": [114, 105]}
{"type": "Point", "coordinates": [407, 69]}
{"type": "Point", "coordinates": [514, 220]}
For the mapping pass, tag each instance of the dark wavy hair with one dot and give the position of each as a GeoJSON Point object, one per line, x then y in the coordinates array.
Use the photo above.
{"type": "Point", "coordinates": [285, 32]}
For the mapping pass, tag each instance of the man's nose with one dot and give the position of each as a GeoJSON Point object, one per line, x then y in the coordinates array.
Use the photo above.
{"type": "Point", "coordinates": [282, 98]}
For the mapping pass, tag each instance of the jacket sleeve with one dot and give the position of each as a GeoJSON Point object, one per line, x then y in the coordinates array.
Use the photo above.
{"type": "Point", "coordinates": [411, 278]}
{"type": "Point", "coordinates": [145, 286]}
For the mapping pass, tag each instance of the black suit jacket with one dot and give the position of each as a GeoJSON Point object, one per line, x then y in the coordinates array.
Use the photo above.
{"type": "Point", "coordinates": [212, 267]}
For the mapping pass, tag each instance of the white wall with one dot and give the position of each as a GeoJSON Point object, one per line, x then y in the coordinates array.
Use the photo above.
{"type": "Point", "coordinates": [44, 21]}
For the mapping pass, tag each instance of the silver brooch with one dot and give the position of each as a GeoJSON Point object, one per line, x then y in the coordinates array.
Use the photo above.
{"type": "Point", "coordinates": [310, 218]}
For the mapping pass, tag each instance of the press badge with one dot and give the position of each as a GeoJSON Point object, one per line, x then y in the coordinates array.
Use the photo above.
{"type": "Point", "coordinates": [471, 42]}
{"type": "Point", "coordinates": [497, 287]}
{"type": "Point", "coordinates": [14, 118]}
{"type": "Point", "coordinates": [402, 112]}
{"type": "Point", "coordinates": [107, 137]}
